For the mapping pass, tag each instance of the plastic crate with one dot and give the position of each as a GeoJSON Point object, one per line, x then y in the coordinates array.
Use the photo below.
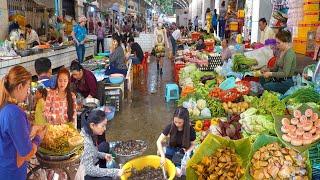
{"type": "Point", "coordinates": [233, 26]}
{"type": "Point", "coordinates": [114, 98]}
{"type": "Point", "coordinates": [300, 46]}
{"type": "Point", "coordinates": [305, 27]}
{"type": "Point", "coordinates": [240, 14]}
{"type": "Point", "coordinates": [311, 5]}
{"type": "Point", "coordinates": [311, 16]}
{"type": "Point", "coordinates": [214, 61]}
{"type": "Point", "coordinates": [314, 157]}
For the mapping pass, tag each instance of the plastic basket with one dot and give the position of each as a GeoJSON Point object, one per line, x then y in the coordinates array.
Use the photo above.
{"type": "Point", "coordinates": [195, 36]}
{"type": "Point", "coordinates": [209, 46]}
{"type": "Point", "coordinates": [177, 68]}
{"type": "Point", "coordinates": [241, 14]}
{"type": "Point", "coordinates": [233, 26]}
{"type": "Point", "coordinates": [214, 61]}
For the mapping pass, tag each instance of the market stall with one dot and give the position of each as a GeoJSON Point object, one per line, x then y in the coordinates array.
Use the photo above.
{"type": "Point", "coordinates": [58, 57]}
{"type": "Point", "coordinates": [233, 115]}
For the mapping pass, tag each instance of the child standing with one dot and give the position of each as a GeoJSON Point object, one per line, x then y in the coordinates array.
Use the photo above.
{"type": "Point", "coordinates": [40, 98]}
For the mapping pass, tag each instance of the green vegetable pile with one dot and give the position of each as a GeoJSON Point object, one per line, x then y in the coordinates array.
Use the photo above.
{"type": "Point", "coordinates": [303, 95]}
{"type": "Point", "coordinates": [254, 124]}
{"type": "Point", "coordinates": [267, 104]}
{"type": "Point", "coordinates": [242, 64]}
{"type": "Point", "coordinates": [216, 108]}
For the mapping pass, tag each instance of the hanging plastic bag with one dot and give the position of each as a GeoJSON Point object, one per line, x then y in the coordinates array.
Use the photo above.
{"type": "Point", "coordinates": [262, 55]}
{"type": "Point", "coordinates": [184, 161]}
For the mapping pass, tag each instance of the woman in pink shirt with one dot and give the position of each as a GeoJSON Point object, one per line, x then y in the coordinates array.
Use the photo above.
{"type": "Point", "coordinates": [226, 53]}
{"type": "Point", "coordinates": [60, 106]}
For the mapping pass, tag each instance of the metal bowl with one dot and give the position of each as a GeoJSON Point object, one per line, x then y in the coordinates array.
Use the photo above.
{"type": "Point", "coordinates": [24, 53]}
{"type": "Point", "coordinates": [91, 102]}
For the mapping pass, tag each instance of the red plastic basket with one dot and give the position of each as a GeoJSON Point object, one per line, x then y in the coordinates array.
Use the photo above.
{"type": "Point", "coordinates": [250, 78]}
{"type": "Point", "coordinates": [177, 68]}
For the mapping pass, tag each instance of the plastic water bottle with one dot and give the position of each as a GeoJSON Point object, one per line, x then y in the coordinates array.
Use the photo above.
{"type": "Point", "coordinates": [299, 80]}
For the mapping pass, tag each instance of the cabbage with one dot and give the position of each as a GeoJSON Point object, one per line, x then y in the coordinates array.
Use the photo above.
{"type": "Point", "coordinates": [186, 105]}
{"type": "Point", "coordinates": [205, 113]}
{"type": "Point", "coordinates": [196, 112]}
{"type": "Point", "coordinates": [201, 104]}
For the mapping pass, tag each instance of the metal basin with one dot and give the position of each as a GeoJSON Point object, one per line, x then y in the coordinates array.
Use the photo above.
{"type": "Point", "coordinates": [24, 53]}
{"type": "Point", "coordinates": [120, 158]}
{"type": "Point", "coordinates": [91, 102]}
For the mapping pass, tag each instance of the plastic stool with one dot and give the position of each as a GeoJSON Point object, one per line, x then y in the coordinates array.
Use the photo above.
{"type": "Point", "coordinates": [106, 54]}
{"type": "Point", "coordinates": [169, 88]}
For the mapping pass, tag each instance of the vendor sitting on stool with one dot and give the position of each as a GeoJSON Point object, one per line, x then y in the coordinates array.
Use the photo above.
{"type": "Point", "coordinates": [136, 50]}
{"type": "Point", "coordinates": [281, 74]}
{"type": "Point", "coordinates": [117, 59]}
{"type": "Point", "coordinates": [94, 158]}
{"type": "Point", "coordinates": [181, 134]}
{"type": "Point", "coordinates": [83, 80]}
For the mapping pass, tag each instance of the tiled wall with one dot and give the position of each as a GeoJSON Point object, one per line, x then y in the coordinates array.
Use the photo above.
{"type": "Point", "coordinates": [58, 58]}
{"type": "Point", "coordinates": [145, 41]}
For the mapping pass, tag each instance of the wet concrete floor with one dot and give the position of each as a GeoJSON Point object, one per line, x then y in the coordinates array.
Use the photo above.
{"type": "Point", "coordinates": [147, 114]}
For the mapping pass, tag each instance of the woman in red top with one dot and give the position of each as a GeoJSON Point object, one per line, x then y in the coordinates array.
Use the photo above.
{"type": "Point", "coordinates": [60, 106]}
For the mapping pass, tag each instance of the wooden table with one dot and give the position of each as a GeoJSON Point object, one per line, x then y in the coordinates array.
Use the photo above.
{"type": "Point", "coordinates": [55, 165]}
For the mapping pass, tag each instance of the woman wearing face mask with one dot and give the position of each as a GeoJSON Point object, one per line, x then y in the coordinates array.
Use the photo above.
{"type": "Point", "coordinates": [161, 42]}
{"type": "Point", "coordinates": [181, 134]}
{"type": "Point", "coordinates": [60, 105]}
{"type": "Point", "coordinates": [117, 58]}
{"type": "Point", "coordinates": [94, 126]}
{"type": "Point", "coordinates": [17, 143]}
{"type": "Point", "coordinates": [281, 75]}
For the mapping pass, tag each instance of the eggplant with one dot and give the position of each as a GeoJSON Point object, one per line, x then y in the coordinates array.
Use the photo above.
{"type": "Point", "coordinates": [204, 79]}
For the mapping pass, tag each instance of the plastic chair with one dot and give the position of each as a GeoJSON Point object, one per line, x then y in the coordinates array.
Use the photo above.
{"type": "Point", "coordinates": [169, 89]}
{"type": "Point", "coordinates": [144, 64]}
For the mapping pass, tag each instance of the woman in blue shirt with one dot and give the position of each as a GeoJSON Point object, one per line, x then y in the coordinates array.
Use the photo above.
{"type": "Point", "coordinates": [215, 21]}
{"type": "Point", "coordinates": [17, 143]}
{"type": "Point", "coordinates": [79, 35]}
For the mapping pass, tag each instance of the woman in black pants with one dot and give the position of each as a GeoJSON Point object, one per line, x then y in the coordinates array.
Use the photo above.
{"type": "Point", "coordinates": [100, 37]}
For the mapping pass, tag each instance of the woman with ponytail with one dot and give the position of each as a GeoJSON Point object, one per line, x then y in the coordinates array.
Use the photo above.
{"type": "Point", "coordinates": [18, 143]}
{"type": "Point", "coordinates": [94, 157]}
{"type": "Point", "coordinates": [60, 106]}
